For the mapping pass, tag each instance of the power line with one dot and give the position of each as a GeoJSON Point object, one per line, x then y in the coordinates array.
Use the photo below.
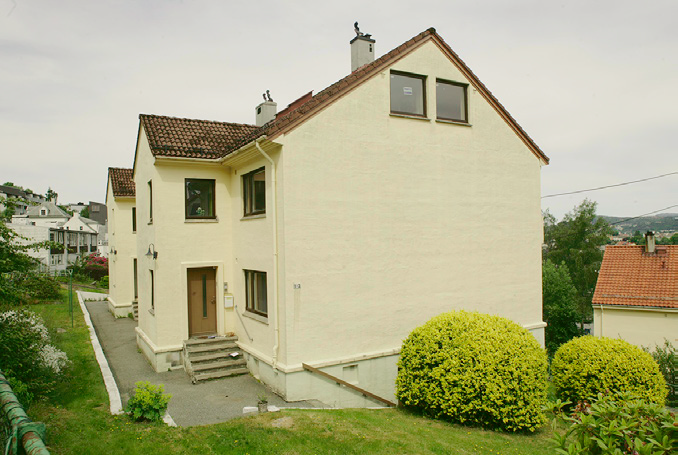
{"type": "Point", "coordinates": [610, 186]}
{"type": "Point", "coordinates": [640, 216]}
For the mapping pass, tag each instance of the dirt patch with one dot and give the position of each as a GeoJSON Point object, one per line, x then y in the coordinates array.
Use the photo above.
{"type": "Point", "coordinates": [283, 422]}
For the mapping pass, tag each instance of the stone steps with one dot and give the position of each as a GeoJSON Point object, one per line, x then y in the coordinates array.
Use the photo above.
{"type": "Point", "coordinates": [213, 358]}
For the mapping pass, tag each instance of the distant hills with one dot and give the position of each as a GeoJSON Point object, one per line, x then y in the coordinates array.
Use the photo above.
{"type": "Point", "coordinates": [664, 222]}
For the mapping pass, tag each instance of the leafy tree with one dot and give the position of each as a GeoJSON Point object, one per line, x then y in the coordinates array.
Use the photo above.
{"type": "Point", "coordinates": [638, 238]}
{"type": "Point", "coordinates": [10, 204]}
{"type": "Point", "coordinates": [51, 194]}
{"type": "Point", "coordinates": [85, 212]}
{"type": "Point", "coordinates": [576, 241]}
{"type": "Point", "coordinates": [560, 305]}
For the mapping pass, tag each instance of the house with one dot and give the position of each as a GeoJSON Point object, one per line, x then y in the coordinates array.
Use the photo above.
{"type": "Point", "coordinates": [323, 234]}
{"type": "Point", "coordinates": [16, 195]}
{"type": "Point", "coordinates": [636, 296]}
{"type": "Point", "coordinates": [122, 246]}
{"type": "Point", "coordinates": [44, 214]}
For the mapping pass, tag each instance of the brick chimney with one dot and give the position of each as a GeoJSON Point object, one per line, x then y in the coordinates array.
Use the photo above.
{"type": "Point", "coordinates": [649, 242]}
{"type": "Point", "coordinates": [362, 51]}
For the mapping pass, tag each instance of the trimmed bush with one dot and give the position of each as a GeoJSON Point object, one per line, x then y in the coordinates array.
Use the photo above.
{"type": "Point", "coordinates": [474, 369]}
{"type": "Point", "coordinates": [586, 366]}
{"type": "Point", "coordinates": [148, 402]}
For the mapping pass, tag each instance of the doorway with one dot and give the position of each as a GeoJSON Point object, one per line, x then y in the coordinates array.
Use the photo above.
{"type": "Point", "coordinates": [202, 301]}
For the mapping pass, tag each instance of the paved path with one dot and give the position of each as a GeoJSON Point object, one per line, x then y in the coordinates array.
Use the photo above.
{"type": "Point", "coordinates": [201, 404]}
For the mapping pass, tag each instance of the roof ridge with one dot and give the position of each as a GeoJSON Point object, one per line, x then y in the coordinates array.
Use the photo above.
{"type": "Point", "coordinates": [142, 115]}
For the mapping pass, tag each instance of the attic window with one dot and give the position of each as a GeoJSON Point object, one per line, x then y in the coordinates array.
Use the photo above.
{"type": "Point", "coordinates": [408, 94]}
{"type": "Point", "coordinates": [451, 101]}
{"type": "Point", "coordinates": [43, 212]}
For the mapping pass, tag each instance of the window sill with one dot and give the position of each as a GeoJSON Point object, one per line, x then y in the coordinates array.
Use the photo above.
{"type": "Point", "coordinates": [414, 117]}
{"type": "Point", "coordinates": [256, 317]}
{"type": "Point", "coordinates": [452, 122]}
{"type": "Point", "coordinates": [150, 222]}
{"type": "Point", "coordinates": [253, 217]}
{"type": "Point", "coordinates": [201, 220]}
{"type": "Point", "coordinates": [152, 311]}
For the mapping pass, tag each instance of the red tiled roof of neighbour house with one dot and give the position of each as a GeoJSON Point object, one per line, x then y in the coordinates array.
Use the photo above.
{"type": "Point", "coordinates": [122, 181]}
{"type": "Point", "coordinates": [187, 138]}
{"type": "Point", "coordinates": [293, 115]}
{"type": "Point", "coordinates": [630, 277]}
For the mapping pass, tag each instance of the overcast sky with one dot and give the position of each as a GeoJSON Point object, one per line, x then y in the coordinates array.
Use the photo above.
{"type": "Point", "coordinates": [594, 83]}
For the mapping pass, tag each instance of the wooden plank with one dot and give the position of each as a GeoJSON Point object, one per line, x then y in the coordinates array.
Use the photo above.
{"type": "Point", "coordinates": [347, 384]}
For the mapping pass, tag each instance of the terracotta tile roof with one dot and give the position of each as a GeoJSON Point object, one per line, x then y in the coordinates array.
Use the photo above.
{"type": "Point", "coordinates": [187, 138]}
{"type": "Point", "coordinates": [122, 181]}
{"type": "Point", "coordinates": [630, 277]}
{"type": "Point", "coordinates": [294, 115]}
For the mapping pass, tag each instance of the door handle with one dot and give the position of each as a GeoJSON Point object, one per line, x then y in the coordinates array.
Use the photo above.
{"type": "Point", "coordinates": [214, 300]}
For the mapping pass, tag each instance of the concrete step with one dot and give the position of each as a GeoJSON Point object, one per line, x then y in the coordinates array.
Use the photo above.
{"type": "Point", "coordinates": [214, 347]}
{"type": "Point", "coordinates": [219, 374]}
{"type": "Point", "coordinates": [194, 341]}
{"type": "Point", "coordinates": [223, 365]}
{"type": "Point", "coordinates": [221, 355]}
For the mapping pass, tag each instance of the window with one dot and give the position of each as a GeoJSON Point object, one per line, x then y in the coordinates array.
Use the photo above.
{"type": "Point", "coordinates": [199, 198]}
{"type": "Point", "coordinates": [136, 280]}
{"type": "Point", "coordinates": [150, 201]}
{"type": "Point", "coordinates": [152, 291]}
{"type": "Point", "coordinates": [451, 101]}
{"type": "Point", "coordinates": [254, 192]}
{"type": "Point", "coordinates": [408, 94]}
{"type": "Point", "coordinates": [134, 219]}
{"type": "Point", "coordinates": [255, 292]}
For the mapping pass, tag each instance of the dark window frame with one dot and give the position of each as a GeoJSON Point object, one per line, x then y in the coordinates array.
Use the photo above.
{"type": "Point", "coordinates": [251, 292]}
{"type": "Point", "coordinates": [150, 201]}
{"type": "Point", "coordinates": [423, 78]}
{"type": "Point", "coordinates": [214, 206]}
{"type": "Point", "coordinates": [152, 291]}
{"type": "Point", "coordinates": [135, 270]}
{"type": "Point", "coordinates": [134, 219]}
{"type": "Point", "coordinates": [249, 193]}
{"type": "Point", "coordinates": [458, 84]}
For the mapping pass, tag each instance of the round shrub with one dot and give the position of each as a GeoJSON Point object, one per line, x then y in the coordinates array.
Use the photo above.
{"type": "Point", "coordinates": [474, 369]}
{"type": "Point", "coordinates": [586, 366]}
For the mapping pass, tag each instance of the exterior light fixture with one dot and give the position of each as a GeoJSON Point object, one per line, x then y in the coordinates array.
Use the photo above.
{"type": "Point", "coordinates": [151, 252]}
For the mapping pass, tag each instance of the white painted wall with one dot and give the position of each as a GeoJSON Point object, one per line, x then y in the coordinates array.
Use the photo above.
{"type": "Point", "coordinates": [643, 327]}
{"type": "Point", "coordinates": [122, 240]}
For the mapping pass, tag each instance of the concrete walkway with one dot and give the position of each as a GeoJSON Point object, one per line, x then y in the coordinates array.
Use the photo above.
{"type": "Point", "coordinates": [201, 404]}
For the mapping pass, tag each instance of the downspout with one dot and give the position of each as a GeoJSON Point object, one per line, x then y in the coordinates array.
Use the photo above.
{"type": "Point", "coordinates": [276, 321]}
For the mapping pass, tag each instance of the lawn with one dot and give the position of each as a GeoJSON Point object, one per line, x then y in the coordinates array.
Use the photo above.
{"type": "Point", "coordinates": [78, 421]}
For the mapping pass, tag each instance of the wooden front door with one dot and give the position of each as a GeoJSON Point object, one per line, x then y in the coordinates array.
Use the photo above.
{"type": "Point", "coordinates": [202, 301]}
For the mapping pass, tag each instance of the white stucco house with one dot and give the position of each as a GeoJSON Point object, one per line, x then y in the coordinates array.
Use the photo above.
{"type": "Point", "coordinates": [323, 234]}
{"type": "Point", "coordinates": [636, 296]}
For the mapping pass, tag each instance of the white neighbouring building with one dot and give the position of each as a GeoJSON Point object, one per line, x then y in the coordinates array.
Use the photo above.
{"type": "Point", "coordinates": [326, 232]}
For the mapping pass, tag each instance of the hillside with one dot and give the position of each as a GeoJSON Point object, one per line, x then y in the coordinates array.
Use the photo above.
{"type": "Point", "coordinates": [665, 222]}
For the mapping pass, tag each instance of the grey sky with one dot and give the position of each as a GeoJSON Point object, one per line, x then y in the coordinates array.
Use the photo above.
{"type": "Point", "coordinates": [593, 82]}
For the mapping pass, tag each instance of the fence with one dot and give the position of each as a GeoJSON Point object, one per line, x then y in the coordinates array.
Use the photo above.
{"type": "Point", "coordinates": [22, 435]}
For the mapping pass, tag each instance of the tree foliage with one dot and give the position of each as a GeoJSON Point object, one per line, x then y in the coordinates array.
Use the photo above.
{"type": "Point", "coordinates": [576, 241]}
{"type": "Point", "coordinates": [560, 305]}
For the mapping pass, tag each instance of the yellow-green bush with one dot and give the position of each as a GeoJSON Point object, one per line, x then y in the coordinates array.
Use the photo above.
{"type": "Point", "coordinates": [474, 369]}
{"type": "Point", "coordinates": [586, 366]}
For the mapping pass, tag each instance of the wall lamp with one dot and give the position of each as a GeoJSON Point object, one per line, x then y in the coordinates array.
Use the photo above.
{"type": "Point", "coordinates": [151, 252]}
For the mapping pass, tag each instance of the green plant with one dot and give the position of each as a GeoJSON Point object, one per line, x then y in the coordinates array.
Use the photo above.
{"type": "Point", "coordinates": [21, 391]}
{"type": "Point", "coordinates": [586, 366]}
{"type": "Point", "coordinates": [667, 359]}
{"type": "Point", "coordinates": [103, 282]}
{"type": "Point", "coordinates": [40, 287]}
{"type": "Point", "coordinates": [26, 354]}
{"type": "Point", "coordinates": [148, 402]}
{"type": "Point", "coordinates": [474, 368]}
{"type": "Point", "coordinates": [617, 425]}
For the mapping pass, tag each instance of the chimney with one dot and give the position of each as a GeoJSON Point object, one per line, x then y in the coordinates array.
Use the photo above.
{"type": "Point", "coordinates": [649, 242]}
{"type": "Point", "coordinates": [362, 49]}
{"type": "Point", "coordinates": [265, 112]}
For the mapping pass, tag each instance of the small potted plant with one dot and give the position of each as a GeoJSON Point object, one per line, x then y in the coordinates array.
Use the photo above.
{"type": "Point", "coordinates": [263, 403]}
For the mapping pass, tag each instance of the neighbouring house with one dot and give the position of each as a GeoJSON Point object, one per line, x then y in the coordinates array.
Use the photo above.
{"type": "Point", "coordinates": [636, 296]}
{"type": "Point", "coordinates": [323, 234]}
{"type": "Point", "coordinates": [122, 245]}
{"type": "Point", "coordinates": [16, 196]}
{"type": "Point", "coordinates": [44, 214]}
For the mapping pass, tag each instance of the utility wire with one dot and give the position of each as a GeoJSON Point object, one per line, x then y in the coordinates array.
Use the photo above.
{"type": "Point", "coordinates": [640, 216]}
{"type": "Point", "coordinates": [610, 186]}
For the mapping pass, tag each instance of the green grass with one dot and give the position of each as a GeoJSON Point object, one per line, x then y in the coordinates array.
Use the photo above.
{"type": "Point", "coordinates": [78, 421]}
